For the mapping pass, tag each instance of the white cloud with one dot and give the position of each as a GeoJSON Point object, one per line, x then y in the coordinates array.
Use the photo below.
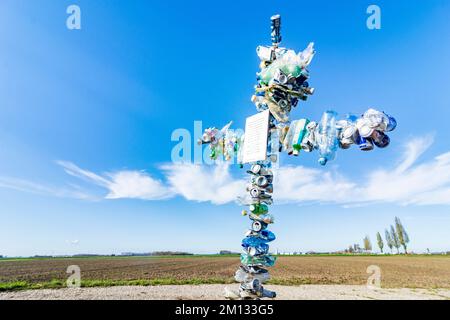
{"type": "Point", "coordinates": [204, 183]}
{"type": "Point", "coordinates": [136, 185]}
{"type": "Point", "coordinates": [300, 184]}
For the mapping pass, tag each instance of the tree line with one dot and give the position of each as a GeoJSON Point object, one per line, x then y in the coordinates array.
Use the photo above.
{"type": "Point", "coordinates": [394, 237]}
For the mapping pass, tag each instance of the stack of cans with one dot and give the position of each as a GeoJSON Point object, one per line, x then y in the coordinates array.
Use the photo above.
{"type": "Point", "coordinates": [282, 81]}
{"type": "Point", "coordinates": [256, 257]}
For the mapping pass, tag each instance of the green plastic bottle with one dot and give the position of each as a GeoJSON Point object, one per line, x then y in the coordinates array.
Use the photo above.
{"type": "Point", "coordinates": [259, 208]}
{"type": "Point", "coordinates": [266, 260]}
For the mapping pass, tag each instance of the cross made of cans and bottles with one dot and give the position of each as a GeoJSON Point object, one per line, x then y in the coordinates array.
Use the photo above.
{"type": "Point", "coordinates": [282, 84]}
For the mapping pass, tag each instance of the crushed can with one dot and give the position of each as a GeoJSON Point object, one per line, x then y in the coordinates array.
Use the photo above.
{"type": "Point", "coordinates": [365, 128]}
{"type": "Point", "coordinates": [380, 139]}
{"type": "Point", "coordinates": [257, 226]}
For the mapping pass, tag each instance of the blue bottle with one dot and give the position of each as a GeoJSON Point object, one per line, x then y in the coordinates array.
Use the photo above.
{"type": "Point", "coordinates": [327, 140]}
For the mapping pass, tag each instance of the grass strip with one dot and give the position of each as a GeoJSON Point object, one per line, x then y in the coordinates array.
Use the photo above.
{"type": "Point", "coordinates": [58, 284]}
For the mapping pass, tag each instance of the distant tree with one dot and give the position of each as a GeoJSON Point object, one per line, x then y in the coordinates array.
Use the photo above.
{"type": "Point", "coordinates": [388, 238]}
{"type": "Point", "coordinates": [367, 244]}
{"type": "Point", "coordinates": [395, 240]}
{"type": "Point", "coordinates": [380, 242]}
{"type": "Point", "coordinates": [356, 248]}
{"type": "Point", "coordinates": [402, 235]}
{"type": "Point", "coordinates": [350, 249]}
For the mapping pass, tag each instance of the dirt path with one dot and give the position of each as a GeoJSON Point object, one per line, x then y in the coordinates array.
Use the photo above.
{"type": "Point", "coordinates": [215, 292]}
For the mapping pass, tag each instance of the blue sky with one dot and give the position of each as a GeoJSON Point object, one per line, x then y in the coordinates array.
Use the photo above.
{"type": "Point", "coordinates": [86, 118]}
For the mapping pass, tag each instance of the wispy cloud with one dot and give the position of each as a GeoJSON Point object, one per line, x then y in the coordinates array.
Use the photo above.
{"type": "Point", "coordinates": [412, 151]}
{"type": "Point", "coordinates": [122, 184]}
{"type": "Point", "coordinates": [89, 176]}
{"type": "Point", "coordinates": [38, 188]}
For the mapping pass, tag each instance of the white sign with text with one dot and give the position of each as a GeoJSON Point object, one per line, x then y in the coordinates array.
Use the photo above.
{"type": "Point", "coordinates": [256, 135]}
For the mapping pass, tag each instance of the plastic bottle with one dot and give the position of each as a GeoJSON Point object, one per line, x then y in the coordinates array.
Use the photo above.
{"type": "Point", "coordinates": [287, 141]}
{"type": "Point", "coordinates": [327, 141]}
{"type": "Point", "coordinates": [300, 133]}
{"type": "Point", "coordinates": [289, 63]}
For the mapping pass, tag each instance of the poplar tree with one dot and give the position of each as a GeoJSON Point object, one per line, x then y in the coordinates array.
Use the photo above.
{"type": "Point", "coordinates": [388, 238]}
{"type": "Point", "coordinates": [402, 235]}
{"type": "Point", "coordinates": [395, 240]}
{"type": "Point", "coordinates": [367, 244]}
{"type": "Point", "coordinates": [380, 242]}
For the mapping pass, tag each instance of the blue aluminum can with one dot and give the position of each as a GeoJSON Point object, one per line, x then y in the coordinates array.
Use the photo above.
{"type": "Point", "coordinates": [380, 139]}
{"type": "Point", "coordinates": [364, 144]}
